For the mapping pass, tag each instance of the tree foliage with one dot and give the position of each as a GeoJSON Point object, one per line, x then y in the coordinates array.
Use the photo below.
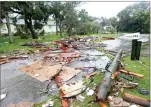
{"type": "Point", "coordinates": [37, 11]}
{"type": "Point", "coordinates": [135, 18]}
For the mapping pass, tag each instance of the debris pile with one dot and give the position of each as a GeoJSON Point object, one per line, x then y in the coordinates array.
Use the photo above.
{"type": "Point", "coordinates": [6, 59]}
{"type": "Point", "coordinates": [73, 63]}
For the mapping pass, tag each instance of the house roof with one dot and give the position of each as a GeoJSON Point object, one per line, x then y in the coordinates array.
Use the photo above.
{"type": "Point", "coordinates": [22, 22]}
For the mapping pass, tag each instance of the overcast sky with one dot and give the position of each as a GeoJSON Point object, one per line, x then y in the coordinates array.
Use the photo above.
{"type": "Point", "coordinates": [105, 9]}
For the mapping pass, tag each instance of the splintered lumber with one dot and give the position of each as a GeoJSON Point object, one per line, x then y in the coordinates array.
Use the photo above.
{"type": "Point", "coordinates": [90, 74]}
{"type": "Point", "coordinates": [132, 73]}
{"type": "Point", "coordinates": [136, 100]}
{"type": "Point", "coordinates": [106, 83]}
{"type": "Point", "coordinates": [64, 101]}
{"type": "Point", "coordinates": [102, 104]}
{"type": "Point", "coordinates": [114, 74]}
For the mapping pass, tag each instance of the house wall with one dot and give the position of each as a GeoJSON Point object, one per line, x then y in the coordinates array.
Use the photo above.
{"type": "Point", "coordinates": [49, 29]}
{"type": "Point", "coordinates": [4, 29]}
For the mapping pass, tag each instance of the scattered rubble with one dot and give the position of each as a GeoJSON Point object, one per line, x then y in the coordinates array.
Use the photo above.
{"type": "Point", "coordinates": [118, 102]}
{"type": "Point", "coordinates": [73, 89]}
{"type": "Point", "coordinates": [34, 44]}
{"type": "Point", "coordinates": [74, 60]}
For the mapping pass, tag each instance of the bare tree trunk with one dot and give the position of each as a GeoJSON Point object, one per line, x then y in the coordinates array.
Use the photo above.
{"type": "Point", "coordinates": [60, 26]}
{"type": "Point", "coordinates": [30, 27]}
{"type": "Point", "coordinates": [9, 28]}
{"type": "Point", "coordinates": [56, 27]}
{"type": "Point", "coordinates": [69, 31]}
{"type": "Point", "coordinates": [26, 28]}
{"type": "Point", "coordinates": [34, 36]}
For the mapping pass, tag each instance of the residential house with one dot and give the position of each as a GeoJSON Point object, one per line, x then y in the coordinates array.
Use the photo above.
{"type": "Point", "coordinates": [48, 28]}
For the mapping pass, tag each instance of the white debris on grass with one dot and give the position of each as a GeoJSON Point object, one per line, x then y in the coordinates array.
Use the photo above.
{"type": "Point", "coordinates": [49, 103]}
{"type": "Point", "coordinates": [90, 92]}
{"type": "Point", "coordinates": [81, 98]}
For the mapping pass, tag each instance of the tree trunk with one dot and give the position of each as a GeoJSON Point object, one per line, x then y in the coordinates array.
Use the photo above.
{"type": "Point", "coordinates": [26, 28]}
{"type": "Point", "coordinates": [9, 28]}
{"type": "Point", "coordinates": [56, 27]}
{"type": "Point", "coordinates": [69, 32]}
{"type": "Point", "coordinates": [60, 26]}
{"type": "Point", "coordinates": [30, 26]}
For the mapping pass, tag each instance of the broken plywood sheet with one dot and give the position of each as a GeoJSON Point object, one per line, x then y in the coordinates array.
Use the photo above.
{"type": "Point", "coordinates": [72, 89]}
{"type": "Point", "coordinates": [41, 71]}
{"type": "Point", "coordinates": [45, 71]}
{"type": "Point", "coordinates": [67, 73]}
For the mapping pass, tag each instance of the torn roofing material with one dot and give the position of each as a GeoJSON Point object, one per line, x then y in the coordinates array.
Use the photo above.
{"type": "Point", "coordinates": [43, 72]}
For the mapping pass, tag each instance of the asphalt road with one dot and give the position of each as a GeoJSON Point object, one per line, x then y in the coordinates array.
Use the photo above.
{"type": "Point", "coordinates": [18, 86]}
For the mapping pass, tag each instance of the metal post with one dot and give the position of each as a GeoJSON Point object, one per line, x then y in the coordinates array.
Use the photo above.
{"type": "Point", "coordinates": [133, 51]}
{"type": "Point", "coordinates": [138, 49]}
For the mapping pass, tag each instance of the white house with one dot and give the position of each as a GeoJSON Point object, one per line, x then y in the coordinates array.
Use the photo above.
{"type": "Point", "coordinates": [48, 28]}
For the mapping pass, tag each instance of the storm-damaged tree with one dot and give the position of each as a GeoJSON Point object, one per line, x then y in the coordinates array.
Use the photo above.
{"type": "Point", "coordinates": [103, 23]}
{"type": "Point", "coordinates": [113, 21]}
{"type": "Point", "coordinates": [65, 15]}
{"type": "Point", "coordinates": [33, 12]}
{"type": "Point", "coordinates": [5, 11]}
{"type": "Point", "coordinates": [70, 16]}
{"type": "Point", "coordinates": [57, 8]}
{"type": "Point", "coordinates": [87, 24]}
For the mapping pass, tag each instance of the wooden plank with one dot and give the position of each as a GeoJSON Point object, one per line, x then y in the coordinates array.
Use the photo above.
{"type": "Point", "coordinates": [132, 73]}
{"type": "Point", "coordinates": [102, 104]}
{"type": "Point", "coordinates": [136, 100]}
{"type": "Point", "coordinates": [114, 74]}
{"type": "Point", "coordinates": [90, 74]}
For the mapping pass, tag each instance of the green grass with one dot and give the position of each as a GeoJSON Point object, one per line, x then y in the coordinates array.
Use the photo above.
{"type": "Point", "coordinates": [56, 100]}
{"type": "Point", "coordinates": [140, 69]}
{"type": "Point", "coordinates": [17, 41]}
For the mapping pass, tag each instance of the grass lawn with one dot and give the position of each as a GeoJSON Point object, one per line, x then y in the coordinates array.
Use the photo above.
{"type": "Point", "coordinates": [135, 66]}
{"type": "Point", "coordinates": [5, 45]}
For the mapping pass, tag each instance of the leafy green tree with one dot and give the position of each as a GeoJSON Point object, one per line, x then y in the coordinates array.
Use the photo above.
{"type": "Point", "coordinates": [133, 18]}
{"type": "Point", "coordinates": [113, 21]}
{"type": "Point", "coordinates": [57, 9]}
{"type": "Point", "coordinates": [5, 11]}
{"type": "Point", "coordinates": [37, 11]}
{"type": "Point", "coordinates": [70, 17]}
{"type": "Point", "coordinates": [103, 23]}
